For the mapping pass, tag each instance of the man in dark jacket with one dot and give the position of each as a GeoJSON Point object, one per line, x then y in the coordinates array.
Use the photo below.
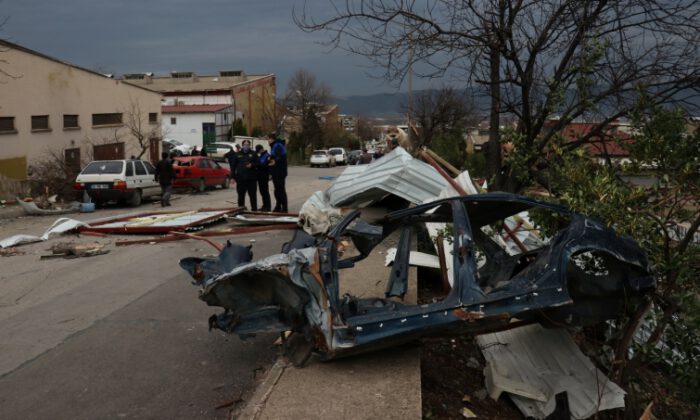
{"type": "Point", "coordinates": [243, 171]}
{"type": "Point", "coordinates": [264, 177]}
{"type": "Point", "coordinates": [278, 170]}
{"type": "Point", "coordinates": [165, 175]}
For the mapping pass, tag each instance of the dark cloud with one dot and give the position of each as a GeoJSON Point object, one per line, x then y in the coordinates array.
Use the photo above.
{"type": "Point", "coordinates": [205, 36]}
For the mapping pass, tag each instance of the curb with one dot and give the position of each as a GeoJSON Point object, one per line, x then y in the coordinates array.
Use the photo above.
{"type": "Point", "coordinates": [257, 402]}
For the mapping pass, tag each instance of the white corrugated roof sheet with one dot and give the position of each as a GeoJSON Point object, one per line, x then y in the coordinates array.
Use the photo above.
{"type": "Point", "coordinates": [395, 173]}
{"type": "Point", "coordinates": [547, 361]}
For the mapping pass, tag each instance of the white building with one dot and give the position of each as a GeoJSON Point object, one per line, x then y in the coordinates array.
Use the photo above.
{"type": "Point", "coordinates": [197, 125]}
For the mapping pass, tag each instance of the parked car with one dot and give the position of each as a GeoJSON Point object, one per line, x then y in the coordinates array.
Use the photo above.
{"type": "Point", "coordinates": [354, 157]}
{"type": "Point", "coordinates": [222, 147]}
{"type": "Point", "coordinates": [177, 148]}
{"type": "Point", "coordinates": [341, 157]}
{"type": "Point", "coordinates": [199, 172]}
{"type": "Point", "coordinates": [122, 180]}
{"type": "Point", "coordinates": [322, 158]}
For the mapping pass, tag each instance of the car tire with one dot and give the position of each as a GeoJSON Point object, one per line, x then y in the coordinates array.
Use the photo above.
{"type": "Point", "coordinates": [226, 184]}
{"type": "Point", "coordinates": [201, 186]}
{"type": "Point", "coordinates": [135, 199]}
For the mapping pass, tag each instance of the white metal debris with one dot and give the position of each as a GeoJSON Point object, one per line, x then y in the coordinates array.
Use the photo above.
{"type": "Point", "coordinates": [548, 362]}
{"type": "Point", "coordinates": [61, 225]}
{"type": "Point", "coordinates": [416, 259]}
{"type": "Point", "coordinates": [395, 173]}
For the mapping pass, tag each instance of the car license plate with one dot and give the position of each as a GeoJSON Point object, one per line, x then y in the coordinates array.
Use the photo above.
{"type": "Point", "coordinates": [99, 186]}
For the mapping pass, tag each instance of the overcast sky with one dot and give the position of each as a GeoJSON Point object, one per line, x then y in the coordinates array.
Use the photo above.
{"type": "Point", "coordinates": [204, 36]}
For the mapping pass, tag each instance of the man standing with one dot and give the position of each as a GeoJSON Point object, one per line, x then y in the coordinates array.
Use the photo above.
{"type": "Point", "coordinates": [264, 177]}
{"type": "Point", "coordinates": [243, 171]}
{"type": "Point", "coordinates": [278, 170]}
{"type": "Point", "coordinates": [164, 175]}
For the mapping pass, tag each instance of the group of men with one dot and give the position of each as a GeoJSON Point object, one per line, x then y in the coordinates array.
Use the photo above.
{"type": "Point", "coordinates": [252, 169]}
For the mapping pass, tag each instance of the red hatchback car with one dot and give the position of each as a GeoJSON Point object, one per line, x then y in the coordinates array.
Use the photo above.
{"type": "Point", "coordinates": [199, 172]}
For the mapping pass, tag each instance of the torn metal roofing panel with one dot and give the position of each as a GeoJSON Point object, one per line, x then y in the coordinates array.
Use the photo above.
{"type": "Point", "coordinates": [395, 173]}
{"type": "Point", "coordinates": [159, 222]}
{"type": "Point", "coordinates": [61, 225]}
{"type": "Point", "coordinates": [544, 362]}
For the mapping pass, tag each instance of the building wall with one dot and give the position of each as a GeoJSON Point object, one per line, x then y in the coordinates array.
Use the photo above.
{"type": "Point", "coordinates": [256, 102]}
{"type": "Point", "coordinates": [42, 86]}
{"type": "Point", "coordinates": [198, 99]}
{"type": "Point", "coordinates": [187, 128]}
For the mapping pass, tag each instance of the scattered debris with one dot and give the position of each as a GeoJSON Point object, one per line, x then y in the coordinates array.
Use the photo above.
{"type": "Point", "coordinates": [33, 209]}
{"type": "Point", "coordinates": [159, 222]}
{"type": "Point", "coordinates": [555, 364]}
{"type": "Point", "coordinates": [8, 252]}
{"type": "Point", "coordinates": [61, 225]}
{"type": "Point", "coordinates": [176, 236]}
{"type": "Point", "coordinates": [468, 414]}
{"type": "Point", "coordinates": [73, 250]}
{"type": "Point", "coordinates": [247, 218]}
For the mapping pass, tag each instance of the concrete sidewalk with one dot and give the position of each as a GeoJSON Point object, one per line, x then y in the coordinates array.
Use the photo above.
{"type": "Point", "coordinates": [378, 385]}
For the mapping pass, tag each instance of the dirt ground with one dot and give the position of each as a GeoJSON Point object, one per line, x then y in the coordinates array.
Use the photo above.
{"type": "Point", "coordinates": [451, 372]}
{"type": "Point", "coordinates": [452, 379]}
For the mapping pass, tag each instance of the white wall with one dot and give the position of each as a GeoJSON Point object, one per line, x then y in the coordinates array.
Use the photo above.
{"type": "Point", "coordinates": [192, 99]}
{"type": "Point", "coordinates": [188, 127]}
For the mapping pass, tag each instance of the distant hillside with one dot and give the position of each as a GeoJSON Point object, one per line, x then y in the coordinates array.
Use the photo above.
{"type": "Point", "coordinates": [394, 104]}
{"type": "Point", "coordinates": [377, 105]}
{"type": "Point", "coordinates": [380, 104]}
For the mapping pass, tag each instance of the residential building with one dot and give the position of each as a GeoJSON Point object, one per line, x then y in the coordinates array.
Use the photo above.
{"type": "Point", "coordinates": [327, 115]}
{"type": "Point", "coordinates": [347, 122]}
{"type": "Point", "coordinates": [251, 97]}
{"type": "Point", "coordinates": [197, 125]}
{"type": "Point", "coordinates": [48, 106]}
{"type": "Point", "coordinates": [606, 147]}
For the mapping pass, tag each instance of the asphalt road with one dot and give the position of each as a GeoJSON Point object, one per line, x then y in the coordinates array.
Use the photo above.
{"type": "Point", "coordinates": [123, 335]}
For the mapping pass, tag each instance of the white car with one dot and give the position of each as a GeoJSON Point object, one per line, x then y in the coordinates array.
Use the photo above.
{"type": "Point", "coordinates": [322, 158]}
{"type": "Point", "coordinates": [341, 157]}
{"type": "Point", "coordinates": [121, 180]}
{"type": "Point", "coordinates": [177, 148]}
{"type": "Point", "coordinates": [222, 147]}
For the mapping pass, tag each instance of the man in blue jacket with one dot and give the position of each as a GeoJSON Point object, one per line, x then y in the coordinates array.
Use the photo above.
{"type": "Point", "coordinates": [278, 170]}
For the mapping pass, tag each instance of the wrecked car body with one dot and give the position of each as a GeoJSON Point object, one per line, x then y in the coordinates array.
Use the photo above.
{"type": "Point", "coordinates": [300, 289]}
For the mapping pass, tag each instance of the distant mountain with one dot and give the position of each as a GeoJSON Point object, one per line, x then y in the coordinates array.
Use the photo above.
{"type": "Point", "coordinates": [376, 105]}
{"type": "Point", "coordinates": [387, 105]}
{"type": "Point", "coordinates": [393, 105]}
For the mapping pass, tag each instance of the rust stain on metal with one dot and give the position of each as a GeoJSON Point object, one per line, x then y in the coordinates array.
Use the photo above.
{"type": "Point", "coordinates": [467, 315]}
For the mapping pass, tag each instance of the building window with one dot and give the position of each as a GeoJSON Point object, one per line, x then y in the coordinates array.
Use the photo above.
{"type": "Point", "coordinates": [40, 123]}
{"type": "Point", "coordinates": [173, 120]}
{"type": "Point", "coordinates": [153, 117]}
{"type": "Point", "coordinates": [7, 125]}
{"type": "Point", "coordinates": [107, 119]}
{"type": "Point", "coordinates": [70, 121]}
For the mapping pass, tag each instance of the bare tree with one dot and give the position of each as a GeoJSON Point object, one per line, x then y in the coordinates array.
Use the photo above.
{"type": "Point", "coordinates": [442, 111]}
{"type": "Point", "coordinates": [139, 127]}
{"type": "Point", "coordinates": [304, 89]}
{"type": "Point", "coordinates": [536, 59]}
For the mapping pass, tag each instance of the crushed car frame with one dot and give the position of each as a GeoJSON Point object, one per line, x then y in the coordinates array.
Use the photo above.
{"type": "Point", "coordinates": [584, 275]}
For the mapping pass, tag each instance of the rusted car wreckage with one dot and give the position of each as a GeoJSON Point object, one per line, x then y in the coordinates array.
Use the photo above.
{"type": "Point", "coordinates": [586, 274]}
